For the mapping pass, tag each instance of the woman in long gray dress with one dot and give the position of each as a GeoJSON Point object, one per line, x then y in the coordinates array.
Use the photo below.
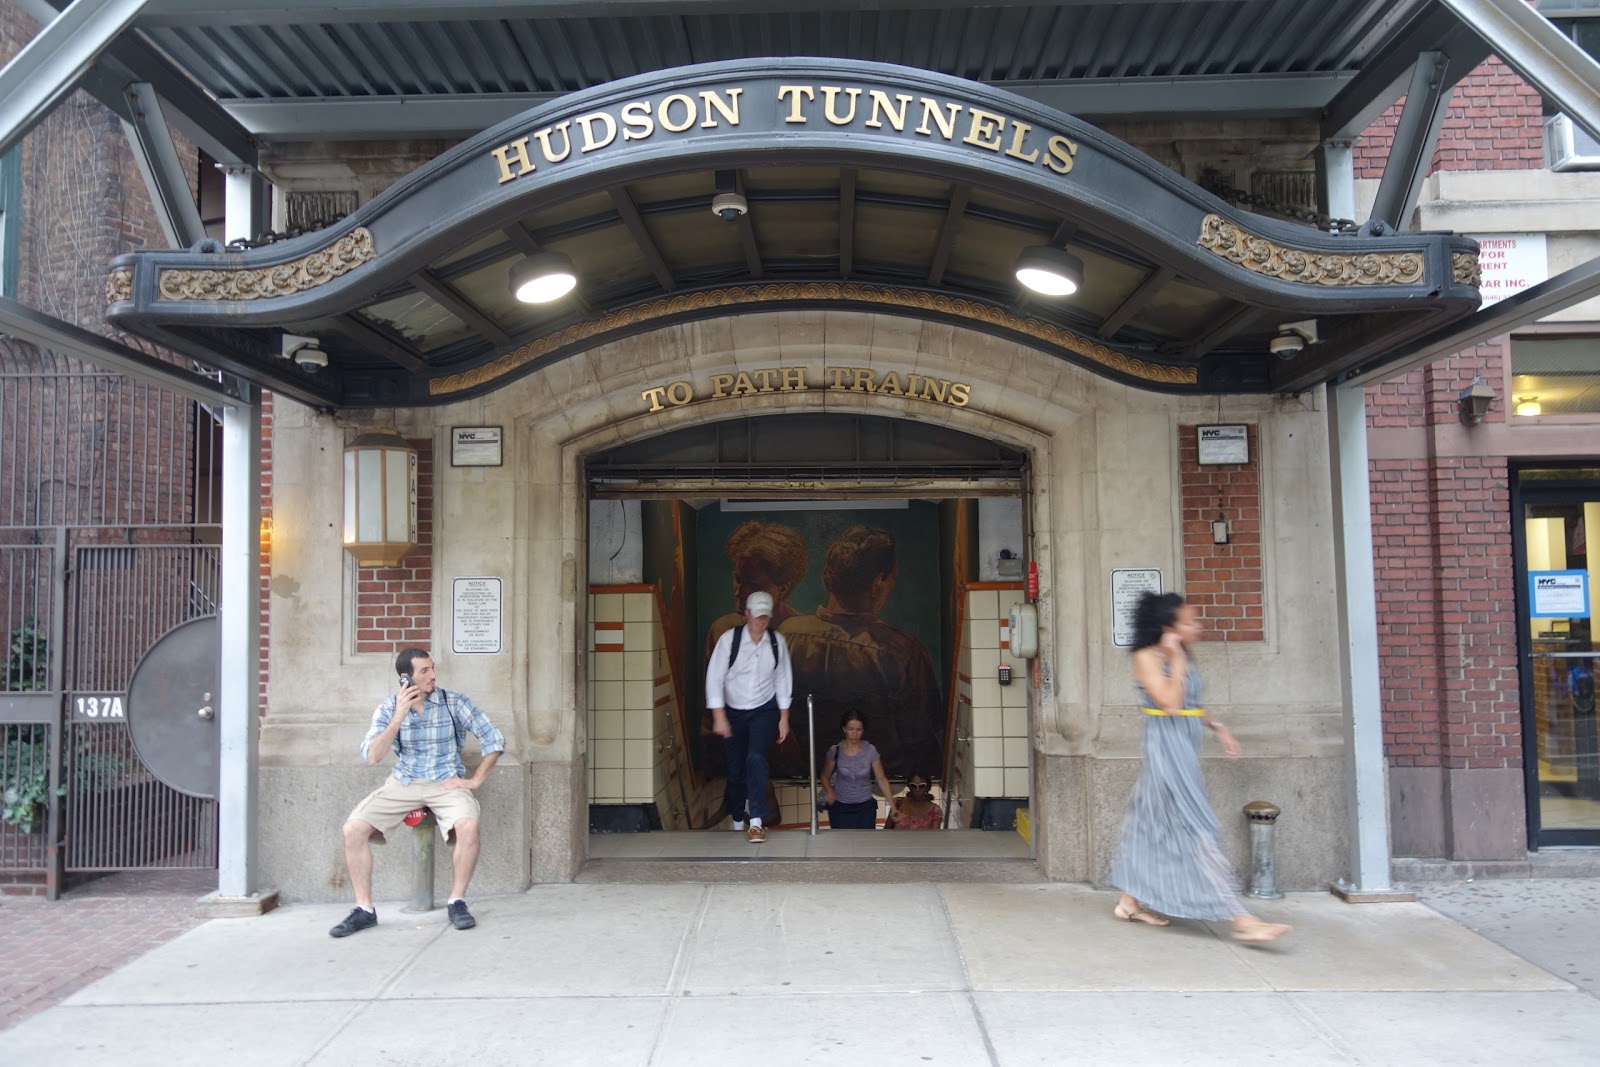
{"type": "Point", "coordinates": [1170, 861]}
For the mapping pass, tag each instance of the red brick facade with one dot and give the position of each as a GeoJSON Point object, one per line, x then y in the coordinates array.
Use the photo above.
{"type": "Point", "coordinates": [394, 605]}
{"type": "Point", "coordinates": [1495, 122]}
{"type": "Point", "coordinates": [1224, 581]}
{"type": "Point", "coordinates": [1442, 555]}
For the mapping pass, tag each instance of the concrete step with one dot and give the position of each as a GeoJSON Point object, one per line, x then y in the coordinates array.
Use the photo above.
{"type": "Point", "coordinates": [778, 869]}
{"type": "Point", "coordinates": [1546, 863]}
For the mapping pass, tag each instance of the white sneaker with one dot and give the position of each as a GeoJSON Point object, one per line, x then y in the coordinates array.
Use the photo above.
{"type": "Point", "coordinates": [738, 824]}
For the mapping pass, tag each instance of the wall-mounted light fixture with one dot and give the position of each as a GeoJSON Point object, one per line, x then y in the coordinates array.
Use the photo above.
{"type": "Point", "coordinates": [1528, 406]}
{"type": "Point", "coordinates": [542, 278]}
{"type": "Point", "coordinates": [380, 498]}
{"type": "Point", "coordinates": [1474, 401]}
{"type": "Point", "coordinates": [1049, 271]}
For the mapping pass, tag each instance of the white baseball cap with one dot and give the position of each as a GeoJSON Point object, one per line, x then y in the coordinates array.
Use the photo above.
{"type": "Point", "coordinates": [759, 604]}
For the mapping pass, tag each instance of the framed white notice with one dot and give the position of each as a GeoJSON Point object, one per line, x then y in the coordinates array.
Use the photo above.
{"type": "Point", "coordinates": [475, 446]}
{"type": "Point", "coordinates": [1223, 444]}
{"type": "Point", "coordinates": [1127, 586]}
{"type": "Point", "coordinates": [1559, 594]}
{"type": "Point", "coordinates": [475, 617]}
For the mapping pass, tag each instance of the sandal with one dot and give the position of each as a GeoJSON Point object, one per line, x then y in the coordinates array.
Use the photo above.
{"type": "Point", "coordinates": [1140, 915]}
{"type": "Point", "coordinates": [1260, 932]}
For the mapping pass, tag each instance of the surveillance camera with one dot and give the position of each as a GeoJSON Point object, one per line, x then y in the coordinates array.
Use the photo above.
{"type": "Point", "coordinates": [729, 206]}
{"type": "Point", "coordinates": [310, 358]}
{"type": "Point", "coordinates": [1286, 345]}
{"type": "Point", "coordinates": [1292, 337]}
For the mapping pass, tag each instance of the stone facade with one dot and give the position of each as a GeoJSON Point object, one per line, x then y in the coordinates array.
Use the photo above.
{"type": "Point", "coordinates": [1107, 481]}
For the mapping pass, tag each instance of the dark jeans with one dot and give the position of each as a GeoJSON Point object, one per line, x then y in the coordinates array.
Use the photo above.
{"type": "Point", "coordinates": [754, 731]}
{"type": "Point", "coordinates": [862, 815]}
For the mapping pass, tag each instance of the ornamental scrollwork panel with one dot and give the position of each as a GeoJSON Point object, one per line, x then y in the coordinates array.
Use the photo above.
{"type": "Point", "coordinates": [1270, 259]}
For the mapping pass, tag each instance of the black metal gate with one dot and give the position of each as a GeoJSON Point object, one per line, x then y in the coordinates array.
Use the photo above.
{"type": "Point", "coordinates": [108, 492]}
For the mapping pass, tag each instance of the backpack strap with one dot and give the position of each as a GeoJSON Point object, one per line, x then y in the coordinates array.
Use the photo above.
{"type": "Point", "coordinates": [455, 720]}
{"type": "Point", "coordinates": [738, 639]}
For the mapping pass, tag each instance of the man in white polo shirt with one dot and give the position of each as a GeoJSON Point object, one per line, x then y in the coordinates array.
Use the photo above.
{"type": "Point", "coordinates": [749, 686]}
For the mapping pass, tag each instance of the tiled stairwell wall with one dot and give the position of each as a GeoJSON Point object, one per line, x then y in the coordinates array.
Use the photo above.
{"type": "Point", "coordinates": [632, 703]}
{"type": "Point", "coordinates": [999, 713]}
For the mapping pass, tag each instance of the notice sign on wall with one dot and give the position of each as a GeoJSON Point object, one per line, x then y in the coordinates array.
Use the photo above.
{"type": "Point", "coordinates": [1559, 594]}
{"type": "Point", "coordinates": [1508, 263]}
{"type": "Point", "coordinates": [475, 446]}
{"type": "Point", "coordinates": [475, 616]}
{"type": "Point", "coordinates": [1222, 444]}
{"type": "Point", "coordinates": [1127, 586]}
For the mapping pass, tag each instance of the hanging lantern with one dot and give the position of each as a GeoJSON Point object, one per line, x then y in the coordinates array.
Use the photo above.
{"type": "Point", "coordinates": [380, 498]}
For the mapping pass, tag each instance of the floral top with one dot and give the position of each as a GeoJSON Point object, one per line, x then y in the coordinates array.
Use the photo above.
{"type": "Point", "coordinates": [928, 820]}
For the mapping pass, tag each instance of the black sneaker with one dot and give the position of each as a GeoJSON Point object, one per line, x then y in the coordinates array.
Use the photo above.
{"type": "Point", "coordinates": [358, 919]}
{"type": "Point", "coordinates": [460, 917]}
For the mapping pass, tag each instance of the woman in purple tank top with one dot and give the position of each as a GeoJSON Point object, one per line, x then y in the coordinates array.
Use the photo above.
{"type": "Point", "coordinates": [847, 776]}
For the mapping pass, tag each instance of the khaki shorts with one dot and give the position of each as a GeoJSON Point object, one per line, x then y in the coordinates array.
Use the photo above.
{"type": "Point", "coordinates": [386, 807]}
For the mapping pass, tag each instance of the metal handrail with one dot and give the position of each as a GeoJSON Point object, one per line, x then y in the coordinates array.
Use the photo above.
{"type": "Point", "coordinates": [811, 756]}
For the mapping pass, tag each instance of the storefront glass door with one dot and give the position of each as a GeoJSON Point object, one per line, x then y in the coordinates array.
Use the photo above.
{"type": "Point", "coordinates": [1557, 575]}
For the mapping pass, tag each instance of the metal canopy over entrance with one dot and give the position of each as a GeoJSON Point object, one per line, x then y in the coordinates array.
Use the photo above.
{"type": "Point", "coordinates": [864, 186]}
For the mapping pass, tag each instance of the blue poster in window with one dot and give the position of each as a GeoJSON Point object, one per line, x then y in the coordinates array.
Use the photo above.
{"type": "Point", "coordinates": [1558, 594]}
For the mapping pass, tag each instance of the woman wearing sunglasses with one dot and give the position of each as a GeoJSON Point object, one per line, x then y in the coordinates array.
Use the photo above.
{"type": "Point", "coordinates": [847, 776]}
{"type": "Point", "coordinates": [916, 810]}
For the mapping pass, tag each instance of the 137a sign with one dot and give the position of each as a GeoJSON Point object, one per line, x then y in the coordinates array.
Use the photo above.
{"type": "Point", "coordinates": [98, 707]}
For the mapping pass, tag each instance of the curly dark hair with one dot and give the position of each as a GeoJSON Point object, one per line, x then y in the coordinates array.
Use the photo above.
{"type": "Point", "coordinates": [856, 557]}
{"type": "Point", "coordinates": [1152, 615]}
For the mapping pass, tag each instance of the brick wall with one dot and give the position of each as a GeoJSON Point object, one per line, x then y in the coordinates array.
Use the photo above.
{"type": "Point", "coordinates": [1224, 581]}
{"type": "Point", "coordinates": [1442, 559]}
{"type": "Point", "coordinates": [1495, 122]}
{"type": "Point", "coordinates": [394, 605]}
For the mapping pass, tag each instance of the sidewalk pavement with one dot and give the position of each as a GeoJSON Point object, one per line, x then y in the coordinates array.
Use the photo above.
{"type": "Point", "coordinates": [668, 974]}
{"type": "Point", "coordinates": [50, 950]}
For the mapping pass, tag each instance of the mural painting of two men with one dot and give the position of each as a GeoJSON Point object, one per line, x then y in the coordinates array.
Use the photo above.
{"type": "Point", "coordinates": [843, 651]}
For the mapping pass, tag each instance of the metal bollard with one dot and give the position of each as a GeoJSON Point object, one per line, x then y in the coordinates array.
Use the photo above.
{"type": "Point", "coordinates": [1263, 875]}
{"type": "Point", "coordinates": [422, 842]}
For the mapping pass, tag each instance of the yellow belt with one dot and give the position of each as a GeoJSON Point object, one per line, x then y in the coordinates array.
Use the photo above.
{"type": "Point", "coordinates": [1180, 711]}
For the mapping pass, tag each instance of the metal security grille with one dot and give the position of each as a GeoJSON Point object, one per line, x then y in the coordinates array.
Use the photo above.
{"type": "Point", "coordinates": [86, 448]}
{"type": "Point", "coordinates": [29, 703]}
{"type": "Point", "coordinates": [109, 492]}
{"type": "Point", "coordinates": [118, 815]}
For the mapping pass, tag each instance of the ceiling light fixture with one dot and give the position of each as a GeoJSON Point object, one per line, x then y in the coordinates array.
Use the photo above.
{"type": "Point", "coordinates": [1049, 271]}
{"type": "Point", "coordinates": [542, 278]}
{"type": "Point", "coordinates": [1528, 405]}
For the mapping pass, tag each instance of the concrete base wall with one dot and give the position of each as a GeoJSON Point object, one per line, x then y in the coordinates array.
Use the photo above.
{"type": "Point", "coordinates": [302, 854]}
{"type": "Point", "coordinates": [559, 836]}
{"type": "Point", "coordinates": [1312, 833]}
{"type": "Point", "coordinates": [1440, 813]}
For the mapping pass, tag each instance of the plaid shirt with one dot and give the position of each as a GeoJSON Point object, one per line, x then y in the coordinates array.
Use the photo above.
{"type": "Point", "coordinates": [429, 742]}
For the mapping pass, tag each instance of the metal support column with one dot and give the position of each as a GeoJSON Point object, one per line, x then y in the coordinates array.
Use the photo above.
{"type": "Point", "coordinates": [241, 221]}
{"type": "Point", "coordinates": [1366, 778]}
{"type": "Point", "coordinates": [165, 175]}
{"type": "Point", "coordinates": [50, 65]}
{"type": "Point", "coordinates": [1415, 137]}
{"type": "Point", "coordinates": [1336, 180]}
{"type": "Point", "coordinates": [239, 712]}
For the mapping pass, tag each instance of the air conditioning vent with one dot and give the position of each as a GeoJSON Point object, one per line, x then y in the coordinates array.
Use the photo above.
{"type": "Point", "coordinates": [1568, 146]}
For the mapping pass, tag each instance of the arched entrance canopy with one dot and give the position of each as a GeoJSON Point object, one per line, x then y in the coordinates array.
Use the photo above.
{"type": "Point", "coordinates": [870, 186]}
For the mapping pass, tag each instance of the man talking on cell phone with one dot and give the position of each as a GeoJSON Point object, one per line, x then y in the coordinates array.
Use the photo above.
{"type": "Point", "coordinates": [749, 685]}
{"type": "Point", "coordinates": [425, 727]}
